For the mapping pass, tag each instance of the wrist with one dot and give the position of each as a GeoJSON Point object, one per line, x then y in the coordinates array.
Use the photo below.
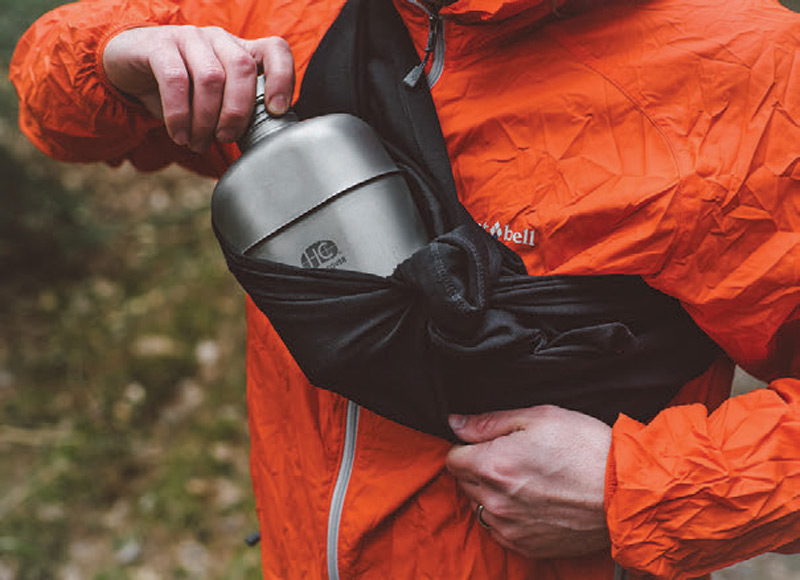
{"type": "Point", "coordinates": [103, 64]}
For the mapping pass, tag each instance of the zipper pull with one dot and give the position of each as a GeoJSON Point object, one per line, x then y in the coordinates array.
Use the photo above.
{"type": "Point", "coordinates": [412, 78]}
{"type": "Point", "coordinates": [253, 539]}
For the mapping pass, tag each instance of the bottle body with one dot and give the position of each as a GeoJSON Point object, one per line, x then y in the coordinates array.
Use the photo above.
{"type": "Point", "coordinates": [321, 193]}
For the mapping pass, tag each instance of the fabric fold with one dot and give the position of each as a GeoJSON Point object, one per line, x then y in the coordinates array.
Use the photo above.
{"type": "Point", "coordinates": [460, 327]}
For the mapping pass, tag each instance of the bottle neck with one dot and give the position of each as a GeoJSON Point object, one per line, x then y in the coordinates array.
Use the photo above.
{"type": "Point", "coordinates": [262, 124]}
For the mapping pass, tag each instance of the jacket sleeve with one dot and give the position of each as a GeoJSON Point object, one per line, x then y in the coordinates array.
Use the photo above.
{"type": "Point", "coordinates": [691, 491]}
{"type": "Point", "coordinates": [68, 108]}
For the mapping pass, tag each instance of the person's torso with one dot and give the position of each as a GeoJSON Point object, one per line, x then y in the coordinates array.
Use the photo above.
{"type": "Point", "coordinates": [574, 144]}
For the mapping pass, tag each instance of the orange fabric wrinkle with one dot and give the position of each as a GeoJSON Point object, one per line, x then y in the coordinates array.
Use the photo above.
{"type": "Point", "coordinates": [653, 138]}
{"type": "Point", "coordinates": [720, 493]}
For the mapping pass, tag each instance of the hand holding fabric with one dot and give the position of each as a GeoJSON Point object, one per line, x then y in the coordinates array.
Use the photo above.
{"type": "Point", "coordinates": [200, 81]}
{"type": "Point", "coordinates": [539, 473]}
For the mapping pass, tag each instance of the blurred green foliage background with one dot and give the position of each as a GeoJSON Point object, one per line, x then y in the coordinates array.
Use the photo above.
{"type": "Point", "coordinates": [123, 432]}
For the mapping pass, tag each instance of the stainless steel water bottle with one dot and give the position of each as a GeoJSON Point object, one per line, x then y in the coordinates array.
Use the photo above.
{"type": "Point", "coordinates": [319, 193]}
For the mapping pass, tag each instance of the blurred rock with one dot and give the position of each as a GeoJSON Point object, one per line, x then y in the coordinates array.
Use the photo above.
{"type": "Point", "coordinates": [198, 486]}
{"type": "Point", "coordinates": [226, 493]}
{"type": "Point", "coordinates": [116, 517]}
{"type": "Point", "coordinates": [104, 288]}
{"type": "Point", "coordinates": [223, 452]}
{"type": "Point", "coordinates": [7, 571]}
{"type": "Point", "coordinates": [50, 512]}
{"type": "Point", "coordinates": [159, 201]}
{"type": "Point", "coordinates": [207, 353]}
{"type": "Point", "coordinates": [85, 554]}
{"type": "Point", "coordinates": [155, 346]}
{"type": "Point", "coordinates": [193, 558]}
{"type": "Point", "coordinates": [145, 573]}
{"type": "Point", "coordinates": [190, 397]}
{"type": "Point", "coordinates": [135, 393]}
{"type": "Point", "coordinates": [129, 552]}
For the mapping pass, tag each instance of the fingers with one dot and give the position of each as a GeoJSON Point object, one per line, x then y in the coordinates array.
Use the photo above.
{"type": "Point", "coordinates": [541, 479]}
{"type": "Point", "coordinates": [486, 459]}
{"type": "Point", "coordinates": [200, 81]}
{"type": "Point", "coordinates": [173, 93]}
{"type": "Point", "coordinates": [477, 467]}
{"type": "Point", "coordinates": [476, 464]}
{"type": "Point", "coordinates": [275, 59]}
{"type": "Point", "coordinates": [222, 76]}
{"type": "Point", "coordinates": [462, 461]}
{"type": "Point", "coordinates": [488, 426]}
{"type": "Point", "coordinates": [239, 91]}
{"type": "Point", "coordinates": [208, 77]}
{"type": "Point", "coordinates": [223, 71]}
{"type": "Point", "coordinates": [502, 530]}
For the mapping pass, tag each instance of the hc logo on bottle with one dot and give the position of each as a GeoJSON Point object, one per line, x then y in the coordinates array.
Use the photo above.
{"type": "Point", "coordinates": [322, 254]}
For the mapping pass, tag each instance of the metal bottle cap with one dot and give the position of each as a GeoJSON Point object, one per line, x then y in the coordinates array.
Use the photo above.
{"type": "Point", "coordinates": [262, 123]}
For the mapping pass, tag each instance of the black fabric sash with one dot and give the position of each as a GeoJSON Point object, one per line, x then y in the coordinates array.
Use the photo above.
{"type": "Point", "coordinates": [459, 327]}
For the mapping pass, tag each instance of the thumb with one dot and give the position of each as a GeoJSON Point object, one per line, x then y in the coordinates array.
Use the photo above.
{"type": "Point", "coordinates": [487, 426]}
{"type": "Point", "coordinates": [275, 60]}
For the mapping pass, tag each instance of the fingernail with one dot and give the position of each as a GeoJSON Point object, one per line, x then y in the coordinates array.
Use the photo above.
{"type": "Point", "coordinates": [456, 421]}
{"type": "Point", "coordinates": [181, 138]}
{"type": "Point", "coordinates": [200, 146]}
{"type": "Point", "coordinates": [278, 105]}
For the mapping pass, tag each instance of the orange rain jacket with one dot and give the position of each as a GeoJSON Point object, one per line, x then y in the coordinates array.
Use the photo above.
{"type": "Point", "coordinates": [656, 138]}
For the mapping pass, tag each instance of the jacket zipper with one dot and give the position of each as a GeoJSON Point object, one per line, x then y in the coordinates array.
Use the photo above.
{"type": "Point", "coordinates": [340, 488]}
{"type": "Point", "coordinates": [434, 53]}
{"type": "Point", "coordinates": [434, 49]}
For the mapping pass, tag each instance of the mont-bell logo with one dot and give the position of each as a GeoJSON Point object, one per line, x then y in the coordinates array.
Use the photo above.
{"type": "Point", "coordinates": [322, 254]}
{"type": "Point", "coordinates": [506, 234]}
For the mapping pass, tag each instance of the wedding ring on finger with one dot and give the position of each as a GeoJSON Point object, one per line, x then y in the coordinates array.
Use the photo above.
{"type": "Point", "coordinates": [479, 516]}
